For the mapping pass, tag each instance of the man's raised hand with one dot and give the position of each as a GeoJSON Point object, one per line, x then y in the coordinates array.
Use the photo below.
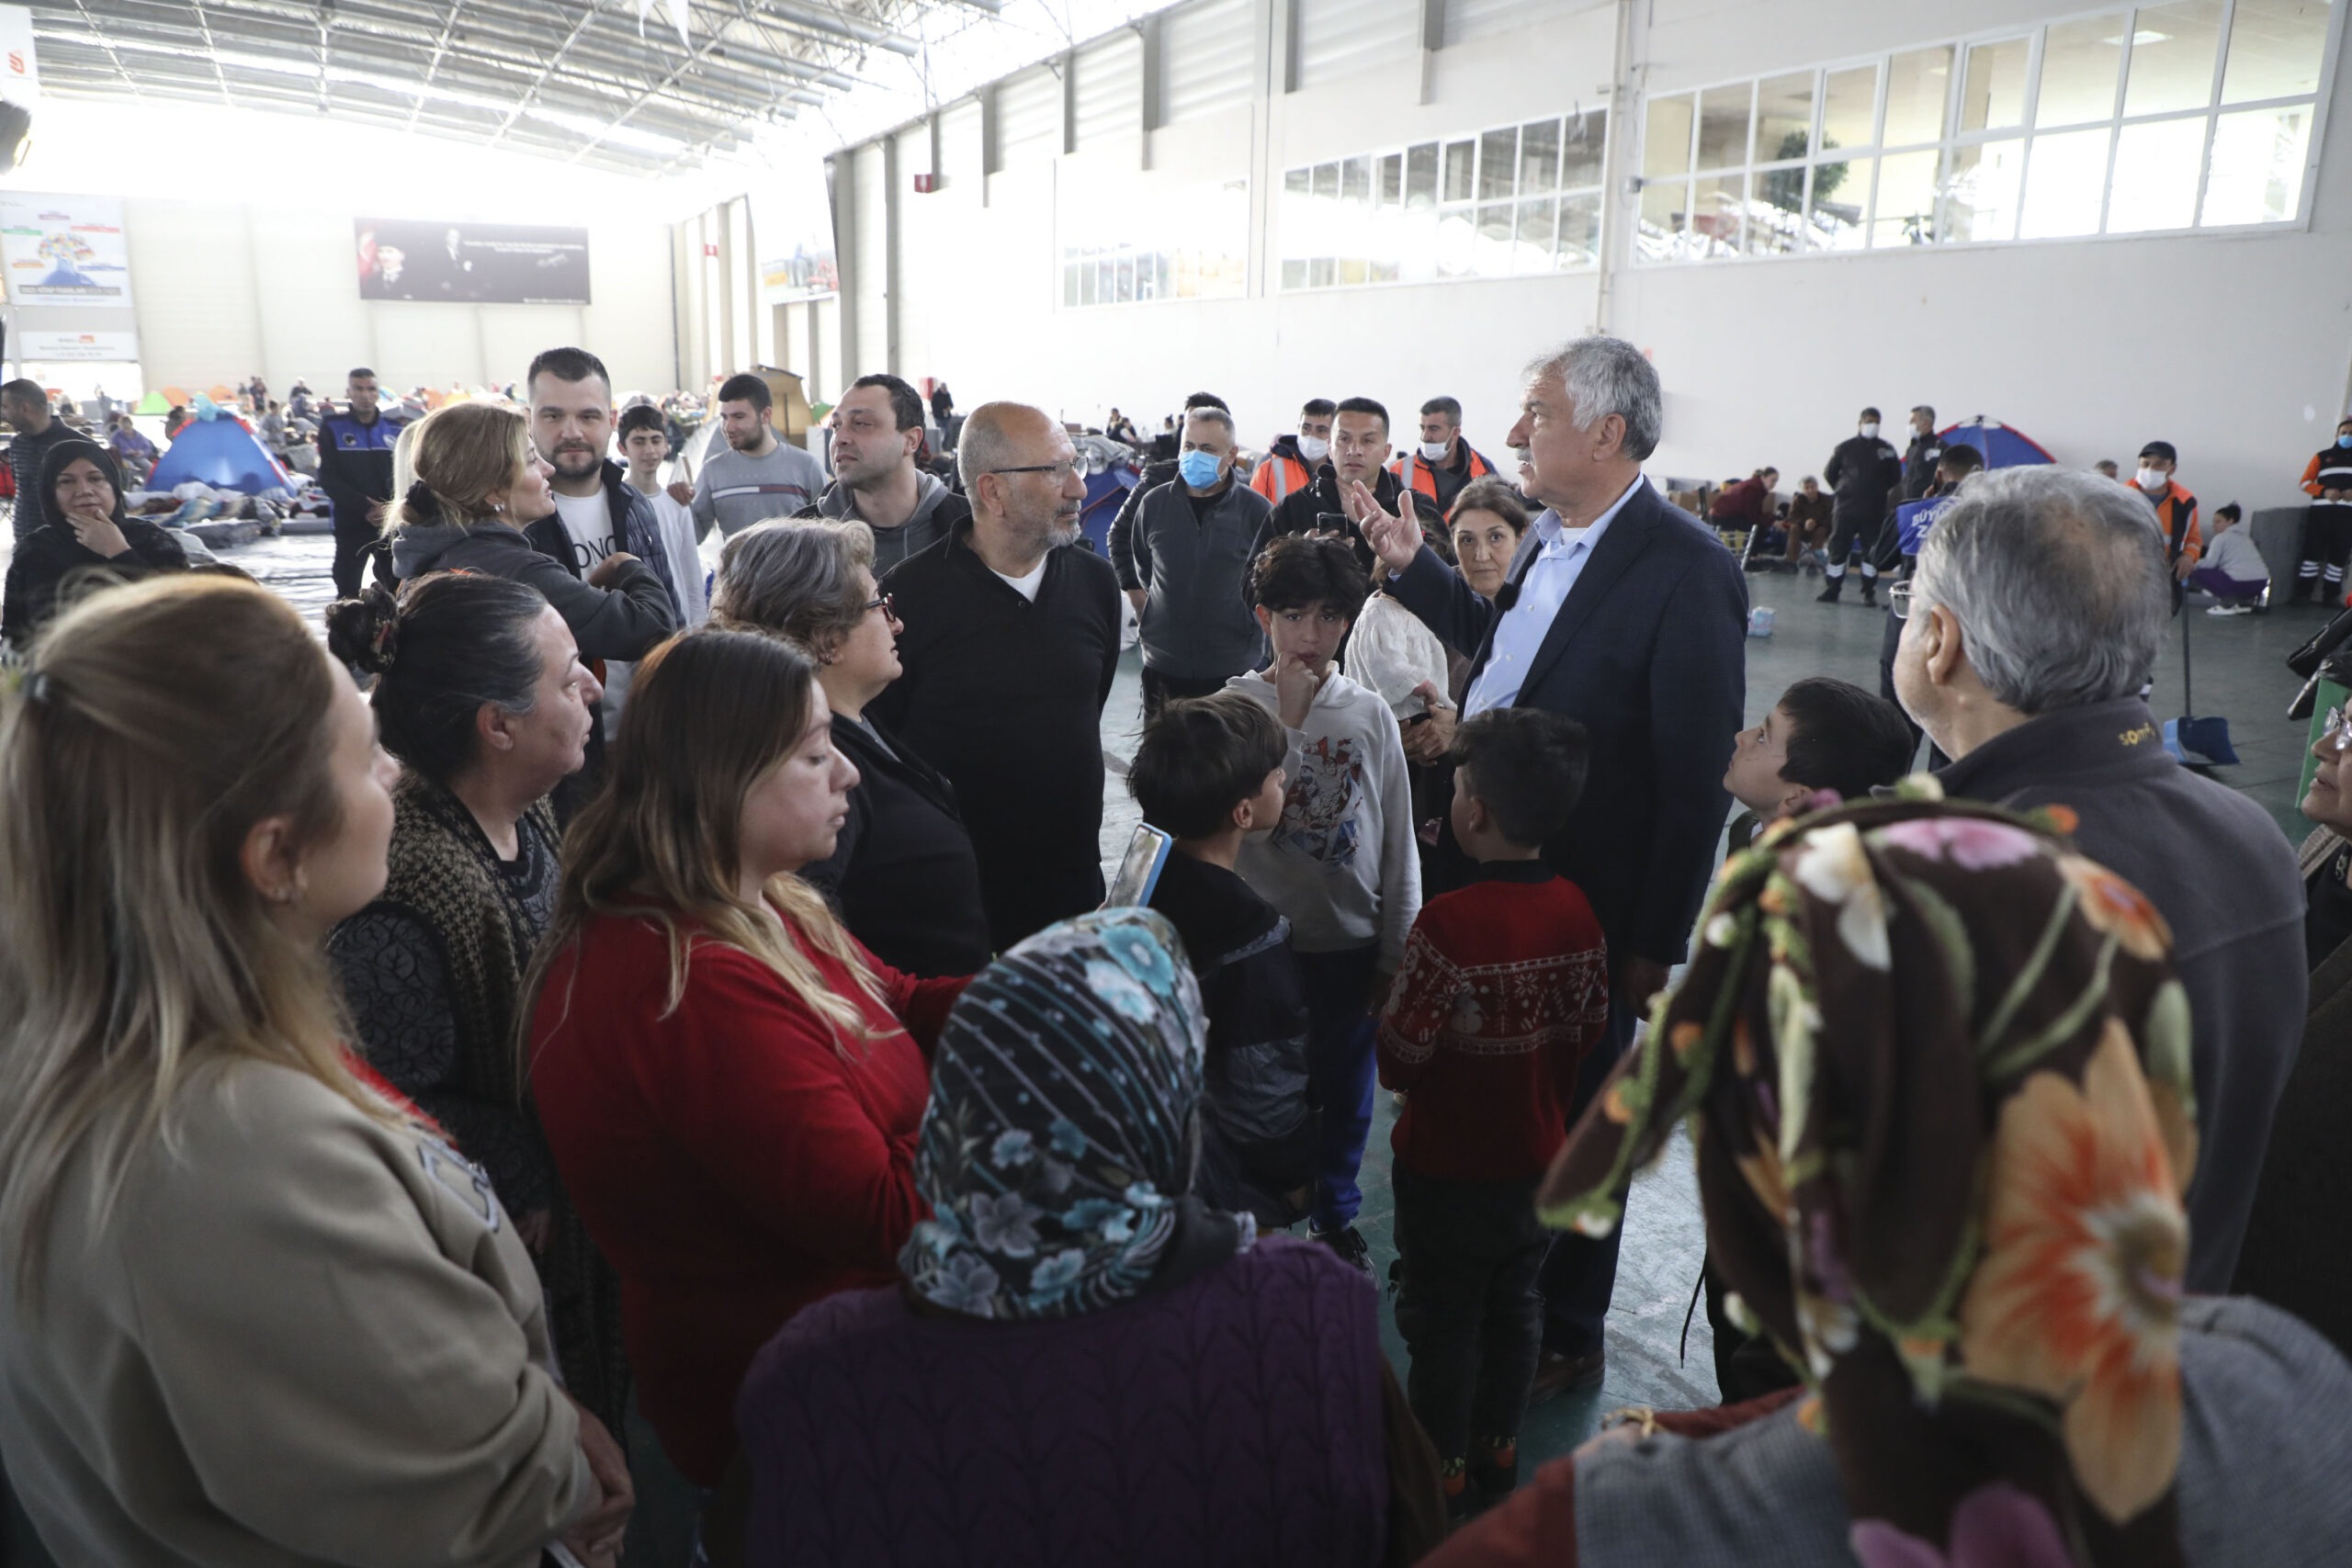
{"type": "Point", "coordinates": [1395, 541]}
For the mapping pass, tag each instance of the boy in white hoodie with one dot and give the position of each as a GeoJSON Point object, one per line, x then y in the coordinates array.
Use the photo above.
{"type": "Point", "coordinates": [1341, 865]}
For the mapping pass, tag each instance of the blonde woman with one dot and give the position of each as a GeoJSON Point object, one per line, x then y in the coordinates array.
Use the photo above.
{"type": "Point", "coordinates": [477, 485]}
{"type": "Point", "coordinates": [256, 1308]}
{"type": "Point", "coordinates": [731, 1085]}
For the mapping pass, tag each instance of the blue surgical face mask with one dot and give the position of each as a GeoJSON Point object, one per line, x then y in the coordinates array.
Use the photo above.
{"type": "Point", "coordinates": [1197, 468]}
{"type": "Point", "coordinates": [2345, 439]}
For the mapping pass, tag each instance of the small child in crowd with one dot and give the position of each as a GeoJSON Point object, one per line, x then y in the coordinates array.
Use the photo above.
{"type": "Point", "coordinates": [2233, 570]}
{"type": "Point", "coordinates": [1823, 734]}
{"type": "Point", "coordinates": [1504, 991]}
{"type": "Point", "coordinates": [1342, 863]}
{"type": "Point", "coordinates": [1209, 774]}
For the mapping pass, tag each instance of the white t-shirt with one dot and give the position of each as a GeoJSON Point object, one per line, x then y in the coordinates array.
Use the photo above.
{"type": "Point", "coordinates": [588, 520]}
{"type": "Point", "coordinates": [1027, 586]}
{"type": "Point", "coordinates": [677, 524]}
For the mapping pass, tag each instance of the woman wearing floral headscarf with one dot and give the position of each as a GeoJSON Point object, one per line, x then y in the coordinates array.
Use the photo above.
{"type": "Point", "coordinates": [1937, 1070]}
{"type": "Point", "coordinates": [1086, 1364]}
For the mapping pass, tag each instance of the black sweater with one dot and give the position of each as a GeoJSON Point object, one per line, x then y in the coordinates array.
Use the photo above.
{"type": "Point", "coordinates": [902, 873]}
{"type": "Point", "coordinates": [1005, 698]}
{"type": "Point", "coordinates": [50, 558]}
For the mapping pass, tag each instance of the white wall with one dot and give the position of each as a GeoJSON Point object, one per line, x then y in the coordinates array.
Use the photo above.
{"type": "Point", "coordinates": [2219, 343]}
{"type": "Point", "coordinates": [222, 291]}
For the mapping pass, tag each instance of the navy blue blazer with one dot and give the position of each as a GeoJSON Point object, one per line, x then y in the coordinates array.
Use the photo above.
{"type": "Point", "coordinates": [1649, 653]}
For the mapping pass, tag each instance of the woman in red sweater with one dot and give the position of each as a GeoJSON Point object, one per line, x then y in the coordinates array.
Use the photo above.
{"type": "Point", "coordinates": [731, 1086]}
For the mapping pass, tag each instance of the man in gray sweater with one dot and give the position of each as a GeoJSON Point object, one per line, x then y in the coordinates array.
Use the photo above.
{"type": "Point", "coordinates": [2035, 618]}
{"type": "Point", "coordinates": [1181, 556]}
{"type": "Point", "coordinates": [877, 429]}
{"type": "Point", "coordinates": [758, 476]}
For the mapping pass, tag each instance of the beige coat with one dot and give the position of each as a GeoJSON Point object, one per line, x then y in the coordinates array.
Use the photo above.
{"type": "Point", "coordinates": [304, 1340]}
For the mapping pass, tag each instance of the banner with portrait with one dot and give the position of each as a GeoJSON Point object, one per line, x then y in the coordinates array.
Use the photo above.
{"type": "Point", "coordinates": [476, 263]}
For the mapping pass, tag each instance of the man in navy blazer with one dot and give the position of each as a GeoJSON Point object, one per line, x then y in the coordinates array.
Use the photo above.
{"type": "Point", "coordinates": [1625, 613]}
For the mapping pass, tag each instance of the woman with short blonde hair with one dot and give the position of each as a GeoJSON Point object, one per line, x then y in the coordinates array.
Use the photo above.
{"type": "Point", "coordinates": [226, 1238]}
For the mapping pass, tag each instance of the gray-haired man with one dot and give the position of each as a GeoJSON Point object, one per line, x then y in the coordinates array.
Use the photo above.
{"type": "Point", "coordinates": [2033, 623]}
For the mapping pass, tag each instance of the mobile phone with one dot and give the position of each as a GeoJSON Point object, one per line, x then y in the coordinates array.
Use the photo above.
{"type": "Point", "coordinates": [1333, 523]}
{"type": "Point", "coordinates": [1139, 868]}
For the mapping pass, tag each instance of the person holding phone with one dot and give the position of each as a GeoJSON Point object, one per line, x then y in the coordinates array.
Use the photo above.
{"type": "Point", "coordinates": [1359, 450]}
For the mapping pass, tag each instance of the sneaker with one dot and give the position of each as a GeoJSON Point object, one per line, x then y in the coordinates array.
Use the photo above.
{"type": "Point", "coordinates": [1494, 1468]}
{"type": "Point", "coordinates": [1829, 594]}
{"type": "Point", "coordinates": [1350, 1244]}
{"type": "Point", "coordinates": [1869, 592]}
{"type": "Point", "coordinates": [2231, 610]}
{"type": "Point", "coordinates": [1556, 1374]}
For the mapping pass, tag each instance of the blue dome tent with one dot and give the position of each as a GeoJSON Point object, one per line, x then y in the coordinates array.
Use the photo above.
{"type": "Point", "coordinates": [2004, 446]}
{"type": "Point", "coordinates": [216, 448]}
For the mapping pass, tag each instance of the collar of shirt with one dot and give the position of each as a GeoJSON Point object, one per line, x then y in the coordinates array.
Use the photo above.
{"type": "Point", "coordinates": [1551, 533]}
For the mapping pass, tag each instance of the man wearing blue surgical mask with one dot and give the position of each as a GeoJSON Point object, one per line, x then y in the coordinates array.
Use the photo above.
{"type": "Point", "coordinates": [1182, 564]}
{"type": "Point", "coordinates": [1443, 463]}
{"type": "Point", "coordinates": [2328, 527]}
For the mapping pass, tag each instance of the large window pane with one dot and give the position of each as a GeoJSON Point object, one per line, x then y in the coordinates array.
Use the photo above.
{"type": "Point", "coordinates": [1849, 108]}
{"type": "Point", "coordinates": [1535, 220]}
{"type": "Point", "coordinates": [1905, 212]}
{"type": "Point", "coordinates": [1992, 96]}
{"type": "Point", "coordinates": [2275, 47]}
{"type": "Point", "coordinates": [1719, 211]}
{"type": "Point", "coordinates": [1461, 161]}
{"type": "Point", "coordinates": [1420, 177]}
{"type": "Point", "coordinates": [1327, 182]}
{"type": "Point", "coordinates": [1840, 209]}
{"type": "Point", "coordinates": [1579, 232]}
{"type": "Point", "coordinates": [1784, 117]}
{"type": "Point", "coordinates": [2173, 48]}
{"type": "Point", "coordinates": [1979, 192]}
{"type": "Point", "coordinates": [1392, 179]}
{"type": "Point", "coordinates": [1919, 84]}
{"type": "Point", "coordinates": [1582, 147]}
{"type": "Point", "coordinates": [1539, 157]}
{"type": "Point", "coordinates": [1666, 138]}
{"type": "Point", "coordinates": [2063, 184]}
{"type": "Point", "coordinates": [2081, 63]}
{"type": "Point", "coordinates": [1783, 190]}
{"type": "Point", "coordinates": [1723, 126]}
{"type": "Point", "coordinates": [1355, 182]}
{"type": "Point", "coordinates": [1498, 164]}
{"type": "Point", "coordinates": [2257, 173]}
{"type": "Point", "coordinates": [1497, 225]}
{"type": "Point", "coordinates": [1665, 221]}
{"type": "Point", "coordinates": [2155, 176]}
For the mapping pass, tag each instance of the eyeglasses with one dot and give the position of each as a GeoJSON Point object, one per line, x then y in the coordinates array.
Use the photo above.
{"type": "Point", "coordinates": [1898, 599]}
{"type": "Point", "coordinates": [1059, 470]}
{"type": "Point", "coordinates": [2332, 733]}
{"type": "Point", "coordinates": [885, 602]}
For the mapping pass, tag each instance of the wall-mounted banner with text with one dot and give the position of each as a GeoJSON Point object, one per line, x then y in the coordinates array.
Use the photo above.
{"type": "Point", "coordinates": [64, 249]}
{"type": "Point", "coordinates": [62, 348]}
{"type": "Point", "coordinates": [482, 263]}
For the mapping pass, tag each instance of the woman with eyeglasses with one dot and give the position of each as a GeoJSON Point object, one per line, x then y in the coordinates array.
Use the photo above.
{"type": "Point", "coordinates": [2294, 1254]}
{"type": "Point", "coordinates": [903, 872]}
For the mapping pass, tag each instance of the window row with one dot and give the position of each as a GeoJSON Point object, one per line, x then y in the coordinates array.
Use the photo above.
{"type": "Point", "coordinates": [1509, 202]}
{"type": "Point", "coordinates": [1118, 248]}
{"type": "Point", "coordinates": [2194, 113]}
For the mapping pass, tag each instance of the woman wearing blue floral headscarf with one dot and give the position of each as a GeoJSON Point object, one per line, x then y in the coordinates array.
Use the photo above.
{"type": "Point", "coordinates": [1086, 1362]}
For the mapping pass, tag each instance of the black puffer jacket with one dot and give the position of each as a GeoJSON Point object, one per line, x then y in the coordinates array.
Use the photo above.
{"type": "Point", "coordinates": [51, 565]}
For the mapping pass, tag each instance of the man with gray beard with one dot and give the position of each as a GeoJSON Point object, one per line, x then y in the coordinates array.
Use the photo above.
{"type": "Point", "coordinates": [1012, 640]}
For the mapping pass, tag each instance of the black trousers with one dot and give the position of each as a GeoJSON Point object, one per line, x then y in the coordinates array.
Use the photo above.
{"type": "Point", "coordinates": [1466, 1303]}
{"type": "Point", "coordinates": [1159, 689]}
{"type": "Point", "coordinates": [1849, 534]}
{"type": "Point", "coordinates": [356, 542]}
{"type": "Point", "coordinates": [2327, 543]}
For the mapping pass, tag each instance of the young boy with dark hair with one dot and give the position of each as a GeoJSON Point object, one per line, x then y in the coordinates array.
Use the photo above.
{"type": "Point", "coordinates": [1823, 734]}
{"type": "Point", "coordinates": [644, 437]}
{"type": "Point", "coordinates": [1342, 863]}
{"type": "Point", "coordinates": [1209, 774]}
{"type": "Point", "coordinates": [1504, 991]}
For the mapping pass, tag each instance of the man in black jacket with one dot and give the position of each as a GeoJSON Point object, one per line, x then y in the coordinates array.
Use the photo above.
{"type": "Point", "coordinates": [1159, 468]}
{"type": "Point", "coordinates": [1010, 645]}
{"type": "Point", "coordinates": [1627, 616]}
{"type": "Point", "coordinates": [25, 405]}
{"type": "Point", "coordinates": [1920, 458]}
{"type": "Point", "coordinates": [356, 470]}
{"type": "Point", "coordinates": [1862, 471]}
{"type": "Point", "coordinates": [1360, 450]}
{"type": "Point", "coordinates": [2040, 604]}
{"type": "Point", "coordinates": [1182, 564]}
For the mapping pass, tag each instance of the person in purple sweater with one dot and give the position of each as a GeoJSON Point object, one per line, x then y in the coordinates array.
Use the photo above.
{"type": "Point", "coordinates": [1085, 1363]}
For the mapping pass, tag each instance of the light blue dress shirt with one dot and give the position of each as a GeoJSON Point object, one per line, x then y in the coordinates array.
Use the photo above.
{"type": "Point", "coordinates": [1542, 589]}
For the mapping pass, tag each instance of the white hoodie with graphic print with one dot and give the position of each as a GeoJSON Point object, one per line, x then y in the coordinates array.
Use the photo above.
{"type": "Point", "coordinates": [1342, 866]}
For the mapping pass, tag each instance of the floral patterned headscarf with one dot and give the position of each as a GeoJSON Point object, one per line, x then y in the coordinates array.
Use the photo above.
{"type": "Point", "coordinates": [1937, 1069]}
{"type": "Point", "coordinates": [1058, 1150]}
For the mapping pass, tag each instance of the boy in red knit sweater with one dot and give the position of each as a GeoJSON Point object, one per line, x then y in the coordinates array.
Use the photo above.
{"type": "Point", "coordinates": [1504, 988]}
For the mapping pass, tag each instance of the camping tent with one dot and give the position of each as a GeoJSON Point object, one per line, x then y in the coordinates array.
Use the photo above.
{"type": "Point", "coordinates": [2004, 446]}
{"type": "Point", "coordinates": [220, 451]}
{"type": "Point", "coordinates": [154, 402]}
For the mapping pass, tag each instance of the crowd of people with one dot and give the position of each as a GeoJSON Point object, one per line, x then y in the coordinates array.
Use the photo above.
{"type": "Point", "coordinates": [589, 988]}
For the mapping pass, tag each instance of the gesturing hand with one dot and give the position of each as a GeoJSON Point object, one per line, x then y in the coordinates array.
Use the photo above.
{"type": "Point", "coordinates": [1295, 683]}
{"type": "Point", "coordinates": [1395, 541]}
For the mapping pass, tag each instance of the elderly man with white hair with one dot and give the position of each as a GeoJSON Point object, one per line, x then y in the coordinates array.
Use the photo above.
{"type": "Point", "coordinates": [2030, 629]}
{"type": "Point", "coordinates": [1627, 616]}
